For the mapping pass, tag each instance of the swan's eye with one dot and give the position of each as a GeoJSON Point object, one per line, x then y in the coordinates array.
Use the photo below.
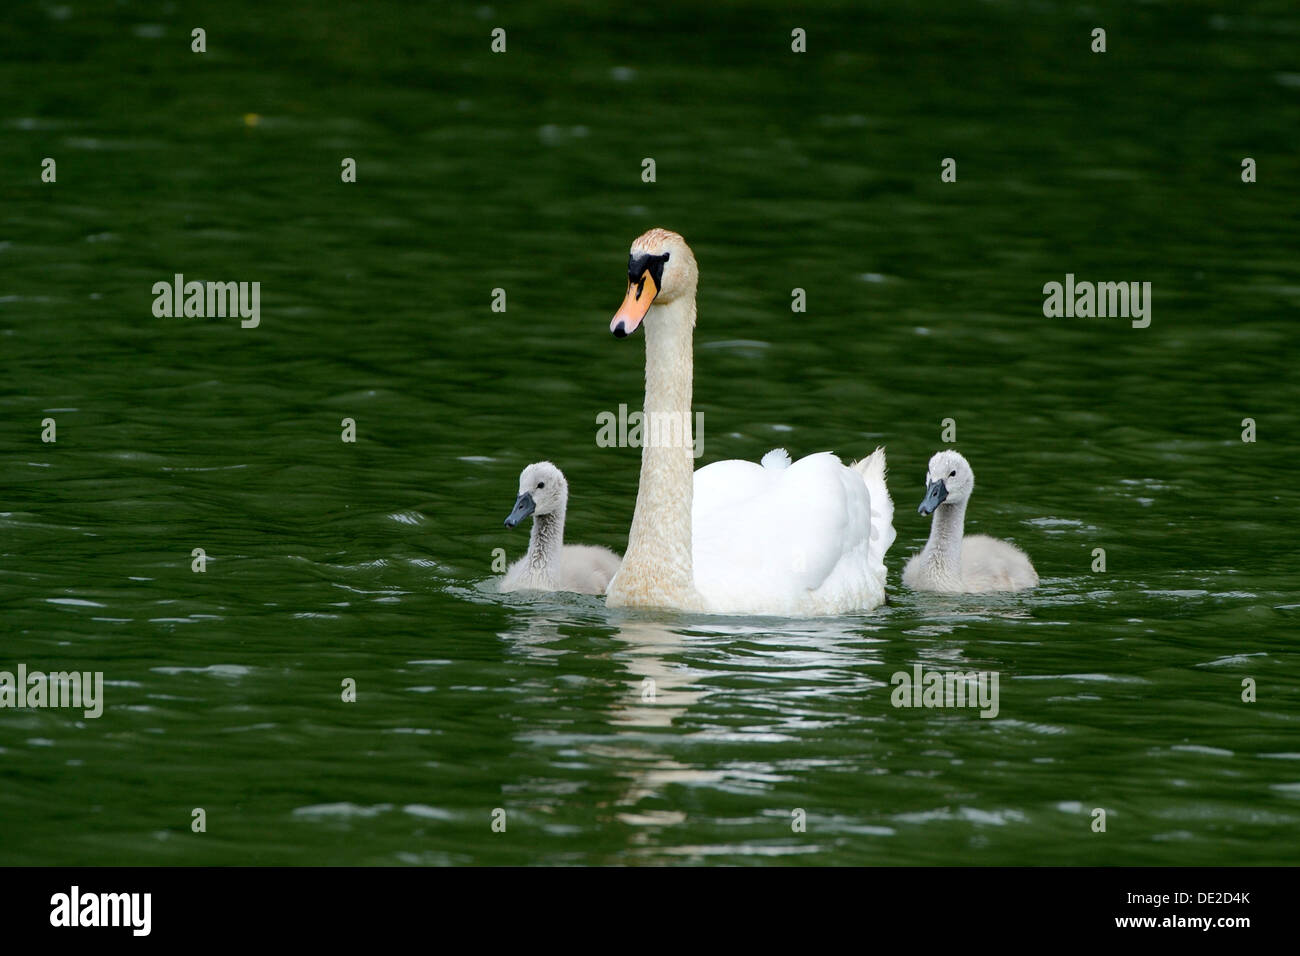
{"type": "Point", "coordinates": [952, 474]}
{"type": "Point", "coordinates": [541, 484]}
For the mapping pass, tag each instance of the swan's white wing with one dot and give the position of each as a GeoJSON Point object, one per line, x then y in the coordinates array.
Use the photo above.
{"type": "Point", "coordinates": [872, 470]}
{"type": "Point", "coordinates": [765, 538]}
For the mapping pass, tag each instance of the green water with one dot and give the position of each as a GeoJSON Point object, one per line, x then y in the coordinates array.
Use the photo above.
{"type": "Point", "coordinates": [327, 560]}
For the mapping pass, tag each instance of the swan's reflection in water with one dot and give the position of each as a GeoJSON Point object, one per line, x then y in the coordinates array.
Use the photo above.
{"type": "Point", "coordinates": [658, 691]}
{"type": "Point", "coordinates": [739, 683]}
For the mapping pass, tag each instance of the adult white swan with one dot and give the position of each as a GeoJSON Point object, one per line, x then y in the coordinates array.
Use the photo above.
{"type": "Point", "coordinates": [800, 539]}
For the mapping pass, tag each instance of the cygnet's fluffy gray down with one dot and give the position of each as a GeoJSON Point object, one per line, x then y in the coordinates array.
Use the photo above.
{"type": "Point", "coordinates": [550, 564]}
{"type": "Point", "coordinates": [953, 563]}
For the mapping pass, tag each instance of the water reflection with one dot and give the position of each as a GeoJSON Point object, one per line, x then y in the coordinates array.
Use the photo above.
{"type": "Point", "coordinates": [688, 685]}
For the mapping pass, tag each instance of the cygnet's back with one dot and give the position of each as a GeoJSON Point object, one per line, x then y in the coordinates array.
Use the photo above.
{"type": "Point", "coordinates": [988, 564]}
{"type": "Point", "coordinates": [587, 568]}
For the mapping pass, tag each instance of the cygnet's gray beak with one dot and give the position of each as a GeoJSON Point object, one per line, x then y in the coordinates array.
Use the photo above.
{"type": "Point", "coordinates": [935, 492]}
{"type": "Point", "coordinates": [523, 508]}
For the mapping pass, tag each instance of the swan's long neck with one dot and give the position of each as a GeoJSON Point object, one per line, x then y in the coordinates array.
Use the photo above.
{"type": "Point", "coordinates": [545, 543]}
{"type": "Point", "coordinates": [657, 569]}
{"type": "Point", "coordinates": [942, 555]}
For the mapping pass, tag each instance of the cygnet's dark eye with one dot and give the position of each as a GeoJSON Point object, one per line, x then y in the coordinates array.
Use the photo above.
{"type": "Point", "coordinates": [951, 474]}
{"type": "Point", "coordinates": [542, 484]}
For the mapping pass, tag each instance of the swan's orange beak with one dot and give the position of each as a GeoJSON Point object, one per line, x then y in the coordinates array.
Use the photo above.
{"type": "Point", "coordinates": [640, 293]}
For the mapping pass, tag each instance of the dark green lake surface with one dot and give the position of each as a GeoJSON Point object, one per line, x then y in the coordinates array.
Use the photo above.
{"type": "Point", "coordinates": [1120, 690]}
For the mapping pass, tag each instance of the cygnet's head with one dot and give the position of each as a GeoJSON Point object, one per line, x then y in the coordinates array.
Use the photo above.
{"type": "Point", "coordinates": [660, 269]}
{"type": "Point", "coordinates": [947, 478]}
{"type": "Point", "coordinates": [542, 491]}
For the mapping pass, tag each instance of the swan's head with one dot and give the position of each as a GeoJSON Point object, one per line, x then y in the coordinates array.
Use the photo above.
{"type": "Point", "coordinates": [660, 269]}
{"type": "Point", "coordinates": [542, 491]}
{"type": "Point", "coordinates": [947, 478]}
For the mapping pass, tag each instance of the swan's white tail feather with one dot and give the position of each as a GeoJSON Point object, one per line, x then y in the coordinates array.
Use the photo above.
{"type": "Point", "coordinates": [872, 470]}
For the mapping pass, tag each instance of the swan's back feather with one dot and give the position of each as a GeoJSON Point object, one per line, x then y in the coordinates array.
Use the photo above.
{"type": "Point", "coordinates": [776, 458]}
{"type": "Point", "coordinates": [782, 538]}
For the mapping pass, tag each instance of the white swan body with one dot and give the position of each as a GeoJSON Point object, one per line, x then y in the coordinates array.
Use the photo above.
{"type": "Point", "coordinates": [951, 562]}
{"type": "Point", "coordinates": [791, 539]}
{"type": "Point", "coordinates": [550, 564]}
{"type": "Point", "coordinates": [797, 539]}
